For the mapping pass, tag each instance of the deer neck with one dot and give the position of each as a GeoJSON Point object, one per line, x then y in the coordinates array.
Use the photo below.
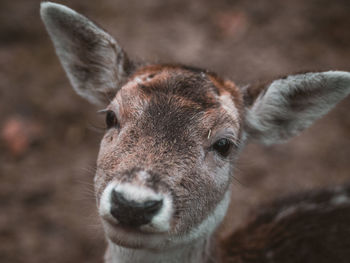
{"type": "Point", "coordinates": [198, 251]}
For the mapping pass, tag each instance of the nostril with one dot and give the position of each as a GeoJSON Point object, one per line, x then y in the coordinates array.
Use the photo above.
{"type": "Point", "coordinates": [118, 198]}
{"type": "Point", "coordinates": [133, 213]}
{"type": "Point", "coordinates": [153, 206]}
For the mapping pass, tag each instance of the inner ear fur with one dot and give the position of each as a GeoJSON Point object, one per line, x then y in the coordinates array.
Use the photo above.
{"type": "Point", "coordinates": [93, 60]}
{"type": "Point", "coordinates": [277, 111]}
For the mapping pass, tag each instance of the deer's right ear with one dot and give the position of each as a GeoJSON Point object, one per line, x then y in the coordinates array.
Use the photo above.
{"type": "Point", "coordinates": [287, 106]}
{"type": "Point", "coordinates": [93, 61]}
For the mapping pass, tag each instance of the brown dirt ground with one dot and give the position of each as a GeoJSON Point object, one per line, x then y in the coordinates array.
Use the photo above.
{"type": "Point", "coordinates": [47, 209]}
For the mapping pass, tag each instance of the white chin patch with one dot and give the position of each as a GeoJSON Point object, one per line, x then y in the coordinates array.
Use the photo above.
{"type": "Point", "coordinates": [161, 221]}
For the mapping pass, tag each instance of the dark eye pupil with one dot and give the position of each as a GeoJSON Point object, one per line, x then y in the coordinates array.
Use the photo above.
{"type": "Point", "coordinates": [111, 119]}
{"type": "Point", "coordinates": [222, 146]}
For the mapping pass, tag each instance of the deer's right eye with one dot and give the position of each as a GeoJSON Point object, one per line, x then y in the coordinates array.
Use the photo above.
{"type": "Point", "coordinates": [111, 119]}
{"type": "Point", "coordinates": [223, 147]}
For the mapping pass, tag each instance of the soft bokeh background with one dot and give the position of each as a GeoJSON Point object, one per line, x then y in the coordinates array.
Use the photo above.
{"type": "Point", "coordinates": [49, 135]}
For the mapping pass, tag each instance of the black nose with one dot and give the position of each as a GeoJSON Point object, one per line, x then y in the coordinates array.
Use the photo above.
{"type": "Point", "coordinates": [132, 213]}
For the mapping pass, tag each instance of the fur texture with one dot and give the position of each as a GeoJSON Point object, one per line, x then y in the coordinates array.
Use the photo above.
{"type": "Point", "coordinates": [175, 136]}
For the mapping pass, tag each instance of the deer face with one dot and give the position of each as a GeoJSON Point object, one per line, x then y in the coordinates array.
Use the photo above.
{"type": "Point", "coordinates": [166, 161]}
{"type": "Point", "coordinates": [168, 154]}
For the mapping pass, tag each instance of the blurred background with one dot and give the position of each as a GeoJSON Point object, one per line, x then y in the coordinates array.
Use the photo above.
{"type": "Point", "coordinates": [49, 137]}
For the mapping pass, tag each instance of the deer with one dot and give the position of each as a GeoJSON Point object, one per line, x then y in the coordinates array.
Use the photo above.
{"type": "Point", "coordinates": [173, 134]}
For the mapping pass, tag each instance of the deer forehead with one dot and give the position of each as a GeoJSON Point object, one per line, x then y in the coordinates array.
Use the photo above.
{"type": "Point", "coordinates": [185, 96]}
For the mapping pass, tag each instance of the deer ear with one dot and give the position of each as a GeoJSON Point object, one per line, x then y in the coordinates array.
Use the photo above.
{"type": "Point", "coordinates": [93, 61]}
{"type": "Point", "coordinates": [287, 106]}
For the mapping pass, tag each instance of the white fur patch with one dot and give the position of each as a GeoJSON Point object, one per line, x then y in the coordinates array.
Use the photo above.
{"type": "Point", "coordinates": [340, 199]}
{"type": "Point", "coordinates": [105, 202]}
{"type": "Point", "coordinates": [192, 253]}
{"type": "Point", "coordinates": [288, 211]}
{"type": "Point", "coordinates": [45, 5]}
{"type": "Point", "coordinates": [229, 106]}
{"type": "Point", "coordinates": [139, 79]}
{"type": "Point", "coordinates": [137, 193]}
{"type": "Point", "coordinates": [160, 222]}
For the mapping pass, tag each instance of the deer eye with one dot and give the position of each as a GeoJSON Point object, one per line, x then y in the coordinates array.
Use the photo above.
{"type": "Point", "coordinates": [111, 119]}
{"type": "Point", "coordinates": [222, 147]}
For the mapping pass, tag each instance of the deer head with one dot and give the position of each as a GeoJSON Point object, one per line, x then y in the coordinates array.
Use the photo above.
{"type": "Point", "coordinates": [166, 161]}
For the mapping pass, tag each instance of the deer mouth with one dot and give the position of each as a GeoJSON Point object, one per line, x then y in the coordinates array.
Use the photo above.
{"type": "Point", "coordinates": [131, 237]}
{"type": "Point", "coordinates": [143, 230]}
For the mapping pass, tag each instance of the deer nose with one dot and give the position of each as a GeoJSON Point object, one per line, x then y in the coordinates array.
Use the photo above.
{"type": "Point", "coordinates": [133, 213]}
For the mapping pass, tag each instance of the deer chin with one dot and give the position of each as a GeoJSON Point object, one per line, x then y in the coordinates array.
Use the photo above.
{"type": "Point", "coordinates": [134, 238]}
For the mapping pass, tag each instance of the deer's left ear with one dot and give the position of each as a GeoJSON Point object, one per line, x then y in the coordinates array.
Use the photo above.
{"type": "Point", "coordinates": [287, 106]}
{"type": "Point", "coordinates": [93, 61]}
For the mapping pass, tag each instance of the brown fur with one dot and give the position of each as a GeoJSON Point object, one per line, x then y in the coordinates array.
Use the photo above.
{"type": "Point", "coordinates": [166, 144]}
{"type": "Point", "coordinates": [315, 230]}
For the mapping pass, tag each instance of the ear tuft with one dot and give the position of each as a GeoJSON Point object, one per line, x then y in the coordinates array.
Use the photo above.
{"type": "Point", "coordinates": [289, 105]}
{"type": "Point", "coordinates": [49, 9]}
{"type": "Point", "coordinates": [93, 61]}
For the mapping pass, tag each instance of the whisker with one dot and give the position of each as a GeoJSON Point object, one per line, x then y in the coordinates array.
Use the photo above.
{"type": "Point", "coordinates": [96, 128]}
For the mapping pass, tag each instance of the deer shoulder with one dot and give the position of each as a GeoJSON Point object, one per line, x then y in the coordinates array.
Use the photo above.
{"type": "Point", "coordinates": [306, 227]}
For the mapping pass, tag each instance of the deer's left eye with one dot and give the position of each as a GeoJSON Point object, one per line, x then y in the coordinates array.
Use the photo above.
{"type": "Point", "coordinates": [111, 119]}
{"type": "Point", "coordinates": [222, 147]}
